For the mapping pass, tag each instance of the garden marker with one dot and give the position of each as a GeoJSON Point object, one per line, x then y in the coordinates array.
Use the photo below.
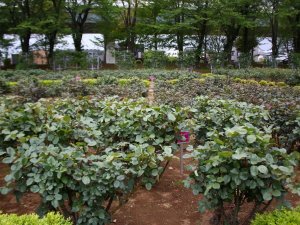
{"type": "Point", "coordinates": [184, 139]}
{"type": "Point", "coordinates": [151, 90]}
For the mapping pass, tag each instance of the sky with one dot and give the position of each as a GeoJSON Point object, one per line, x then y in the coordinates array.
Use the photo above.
{"type": "Point", "coordinates": [87, 42]}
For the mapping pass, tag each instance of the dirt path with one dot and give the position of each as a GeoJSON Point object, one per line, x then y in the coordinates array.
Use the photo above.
{"type": "Point", "coordinates": [168, 203]}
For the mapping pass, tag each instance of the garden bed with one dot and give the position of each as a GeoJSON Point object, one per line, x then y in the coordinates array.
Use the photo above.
{"type": "Point", "coordinates": [168, 203]}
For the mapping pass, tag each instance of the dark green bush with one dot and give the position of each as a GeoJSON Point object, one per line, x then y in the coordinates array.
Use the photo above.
{"type": "Point", "coordinates": [278, 217]}
{"type": "Point", "coordinates": [4, 87]}
{"type": "Point", "coordinates": [32, 219]}
{"type": "Point", "coordinates": [155, 59]}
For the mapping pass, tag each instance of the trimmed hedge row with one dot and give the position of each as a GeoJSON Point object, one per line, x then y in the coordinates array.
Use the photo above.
{"type": "Point", "coordinates": [33, 219]}
{"type": "Point", "coordinates": [278, 217]}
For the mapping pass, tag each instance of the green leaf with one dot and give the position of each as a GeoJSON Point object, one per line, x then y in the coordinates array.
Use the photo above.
{"type": "Point", "coordinates": [251, 139]}
{"type": "Point", "coordinates": [267, 196]}
{"type": "Point", "coordinates": [139, 139]}
{"type": "Point", "coordinates": [4, 190]}
{"type": "Point", "coordinates": [227, 179]}
{"type": "Point", "coordinates": [29, 181]}
{"type": "Point", "coordinates": [263, 169]}
{"type": "Point", "coordinates": [216, 186]}
{"type": "Point", "coordinates": [254, 171]}
{"type": "Point", "coordinates": [121, 177]}
{"type": "Point", "coordinates": [154, 172]}
{"type": "Point", "coordinates": [90, 142]}
{"type": "Point", "coordinates": [117, 184]}
{"type": "Point", "coordinates": [171, 117]}
{"type": "Point", "coordinates": [35, 189]}
{"type": "Point", "coordinates": [148, 186]}
{"type": "Point", "coordinates": [86, 180]}
{"type": "Point", "coordinates": [276, 193]}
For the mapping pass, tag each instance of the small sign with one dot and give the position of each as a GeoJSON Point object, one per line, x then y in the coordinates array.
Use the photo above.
{"type": "Point", "coordinates": [184, 137]}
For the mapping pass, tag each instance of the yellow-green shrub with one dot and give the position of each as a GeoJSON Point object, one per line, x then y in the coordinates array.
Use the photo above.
{"type": "Point", "coordinates": [253, 82]}
{"type": "Point", "coordinates": [278, 217]}
{"type": "Point", "coordinates": [90, 81]}
{"type": "Point", "coordinates": [146, 83]}
{"type": "Point", "coordinates": [50, 82]}
{"type": "Point", "coordinates": [201, 80]}
{"type": "Point", "coordinates": [237, 79]}
{"type": "Point", "coordinates": [281, 84]}
{"type": "Point", "coordinates": [33, 219]}
{"type": "Point", "coordinates": [124, 82]}
{"type": "Point", "coordinates": [263, 83]}
{"type": "Point", "coordinates": [206, 75]}
{"type": "Point", "coordinates": [174, 81]}
{"type": "Point", "coordinates": [12, 84]}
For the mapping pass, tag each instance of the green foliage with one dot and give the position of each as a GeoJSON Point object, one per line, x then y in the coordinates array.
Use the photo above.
{"type": "Point", "coordinates": [49, 219]}
{"type": "Point", "coordinates": [25, 62]}
{"type": "Point", "coordinates": [124, 60]}
{"type": "Point", "coordinates": [155, 59]}
{"type": "Point", "coordinates": [85, 152]}
{"type": "Point", "coordinates": [277, 75]}
{"type": "Point", "coordinates": [186, 59]}
{"type": "Point", "coordinates": [282, 217]}
{"type": "Point", "coordinates": [236, 160]}
{"type": "Point", "coordinates": [71, 59]}
{"type": "Point", "coordinates": [4, 87]}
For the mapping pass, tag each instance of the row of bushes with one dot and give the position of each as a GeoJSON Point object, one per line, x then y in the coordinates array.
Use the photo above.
{"type": "Point", "coordinates": [88, 151]}
{"type": "Point", "coordinates": [289, 76]}
{"type": "Point", "coordinates": [80, 155]}
{"type": "Point", "coordinates": [11, 75]}
{"type": "Point", "coordinates": [261, 82]}
{"type": "Point", "coordinates": [34, 89]}
{"type": "Point", "coordinates": [280, 217]}
{"type": "Point", "coordinates": [277, 217]}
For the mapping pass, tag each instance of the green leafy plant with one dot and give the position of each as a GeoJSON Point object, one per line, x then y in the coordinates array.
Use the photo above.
{"type": "Point", "coordinates": [79, 155]}
{"type": "Point", "coordinates": [236, 160]}
{"type": "Point", "coordinates": [4, 87]}
{"type": "Point", "coordinates": [155, 59]}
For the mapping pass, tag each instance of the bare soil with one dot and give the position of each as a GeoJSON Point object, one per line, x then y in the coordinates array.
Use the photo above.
{"type": "Point", "coordinates": [168, 203]}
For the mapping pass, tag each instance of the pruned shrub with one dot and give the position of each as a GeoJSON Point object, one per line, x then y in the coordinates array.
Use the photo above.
{"type": "Point", "coordinates": [282, 217]}
{"type": "Point", "coordinates": [33, 219]}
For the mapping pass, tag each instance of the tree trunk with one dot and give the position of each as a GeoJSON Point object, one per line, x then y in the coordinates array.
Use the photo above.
{"type": "Point", "coordinates": [105, 48]}
{"type": "Point", "coordinates": [155, 42]}
{"type": "Point", "coordinates": [180, 41]}
{"type": "Point", "coordinates": [296, 38]}
{"type": "Point", "coordinates": [77, 38]}
{"type": "Point", "coordinates": [232, 34]}
{"type": "Point", "coordinates": [245, 47]}
{"type": "Point", "coordinates": [25, 42]}
{"type": "Point", "coordinates": [51, 39]}
{"type": "Point", "coordinates": [274, 26]}
{"type": "Point", "coordinates": [201, 38]}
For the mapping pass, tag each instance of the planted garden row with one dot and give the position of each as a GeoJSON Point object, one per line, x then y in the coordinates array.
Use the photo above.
{"type": "Point", "coordinates": [88, 152]}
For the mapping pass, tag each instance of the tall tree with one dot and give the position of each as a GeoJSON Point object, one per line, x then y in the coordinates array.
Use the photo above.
{"type": "Point", "coordinates": [22, 15]}
{"type": "Point", "coordinates": [174, 22]}
{"type": "Point", "coordinates": [291, 14]}
{"type": "Point", "coordinates": [129, 18]}
{"type": "Point", "coordinates": [272, 9]}
{"type": "Point", "coordinates": [199, 17]}
{"type": "Point", "coordinates": [79, 11]}
{"type": "Point", "coordinates": [51, 24]}
{"type": "Point", "coordinates": [108, 14]}
{"type": "Point", "coordinates": [231, 18]}
{"type": "Point", "coordinates": [149, 21]}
